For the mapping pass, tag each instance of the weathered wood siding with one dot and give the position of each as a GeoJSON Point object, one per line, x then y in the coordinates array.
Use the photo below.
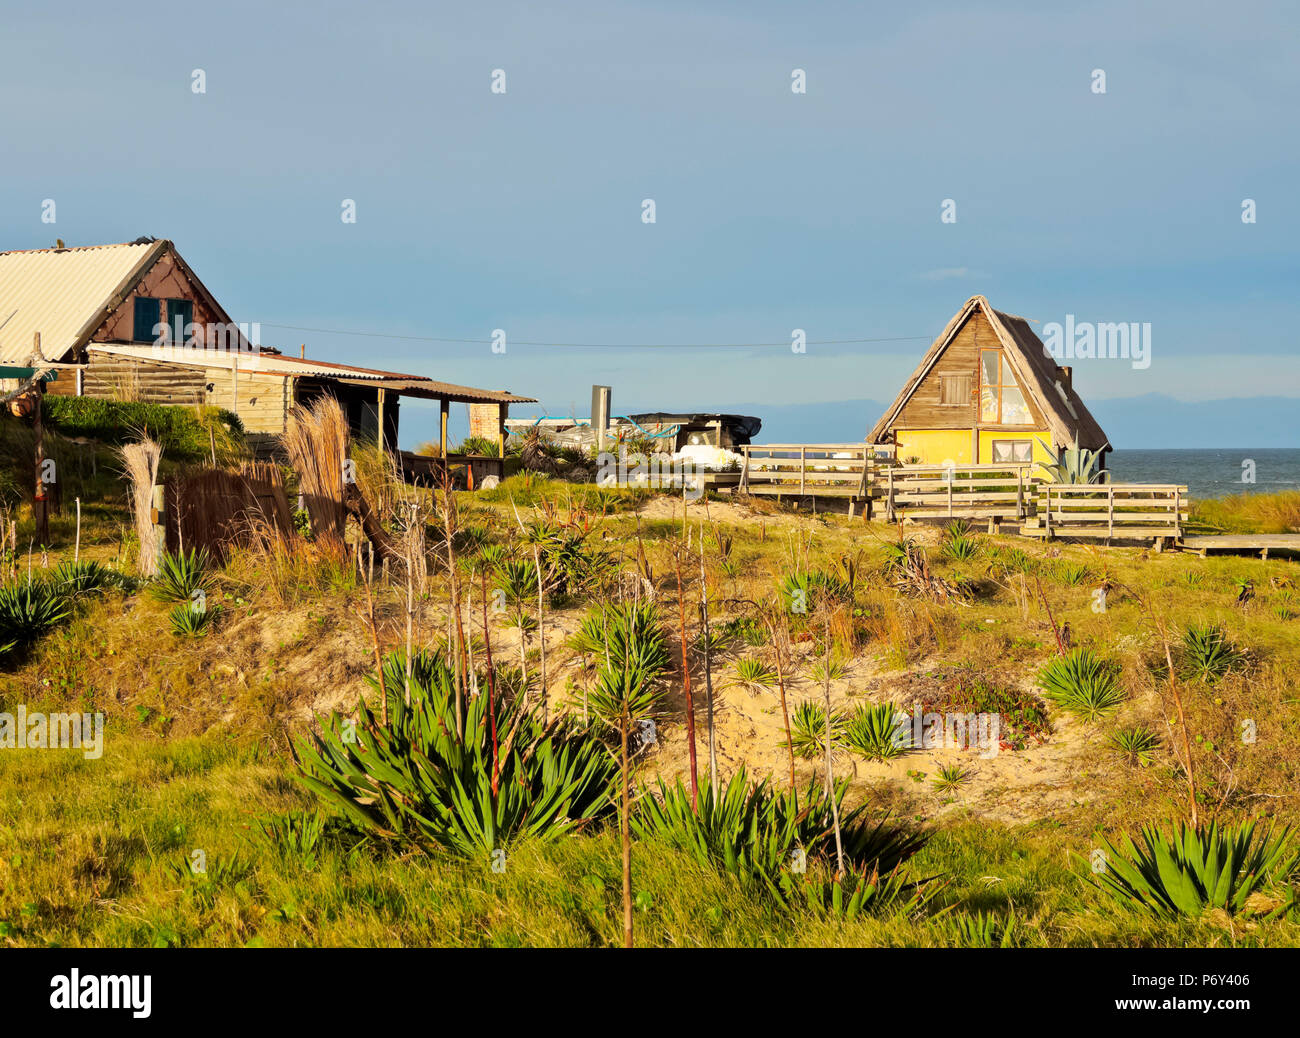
{"type": "Point", "coordinates": [263, 400]}
{"type": "Point", "coordinates": [165, 280]}
{"type": "Point", "coordinates": [109, 377]}
{"type": "Point", "coordinates": [925, 409]}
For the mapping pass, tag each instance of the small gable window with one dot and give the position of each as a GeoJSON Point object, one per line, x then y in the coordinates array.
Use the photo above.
{"type": "Point", "coordinates": [148, 315]}
{"type": "Point", "coordinates": [1002, 402]}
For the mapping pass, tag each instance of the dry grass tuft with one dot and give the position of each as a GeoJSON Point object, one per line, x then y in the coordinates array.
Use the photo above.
{"type": "Point", "coordinates": [140, 463]}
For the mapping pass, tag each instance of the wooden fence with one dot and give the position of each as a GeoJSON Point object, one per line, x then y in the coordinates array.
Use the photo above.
{"type": "Point", "coordinates": [950, 491]}
{"type": "Point", "coordinates": [1109, 511]}
{"type": "Point", "coordinates": [804, 470]}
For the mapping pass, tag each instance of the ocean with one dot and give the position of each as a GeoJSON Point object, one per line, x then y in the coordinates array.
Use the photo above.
{"type": "Point", "coordinates": [1211, 473]}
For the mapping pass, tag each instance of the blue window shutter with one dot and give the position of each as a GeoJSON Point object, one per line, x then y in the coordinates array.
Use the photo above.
{"type": "Point", "coordinates": [147, 313]}
{"type": "Point", "coordinates": [180, 312]}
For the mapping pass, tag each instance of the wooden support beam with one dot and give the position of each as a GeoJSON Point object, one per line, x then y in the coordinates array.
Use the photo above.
{"type": "Point", "coordinates": [382, 393]}
{"type": "Point", "coordinates": [444, 407]}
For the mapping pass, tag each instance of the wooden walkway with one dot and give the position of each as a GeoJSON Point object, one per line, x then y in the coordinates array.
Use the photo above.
{"type": "Point", "coordinates": [1260, 542]}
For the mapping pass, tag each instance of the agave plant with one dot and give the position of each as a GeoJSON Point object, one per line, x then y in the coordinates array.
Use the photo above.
{"type": "Point", "coordinates": [1074, 465]}
{"type": "Point", "coordinates": [809, 730]}
{"type": "Point", "coordinates": [765, 836]}
{"type": "Point", "coordinates": [180, 575]}
{"type": "Point", "coordinates": [1209, 653]}
{"type": "Point", "coordinates": [872, 732]}
{"type": "Point", "coordinates": [1082, 683]}
{"type": "Point", "coordinates": [426, 779]}
{"type": "Point", "coordinates": [29, 610]}
{"type": "Point", "coordinates": [868, 891]}
{"type": "Point", "coordinates": [1190, 869]}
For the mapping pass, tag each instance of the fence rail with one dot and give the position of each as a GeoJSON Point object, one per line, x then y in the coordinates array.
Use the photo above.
{"type": "Point", "coordinates": [1110, 510]}
{"type": "Point", "coordinates": [949, 491]}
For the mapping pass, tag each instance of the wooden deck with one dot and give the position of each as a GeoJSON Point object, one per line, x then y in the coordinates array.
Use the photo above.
{"type": "Point", "coordinates": [1253, 542]}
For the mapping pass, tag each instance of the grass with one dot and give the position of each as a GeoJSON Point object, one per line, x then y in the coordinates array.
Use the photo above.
{"type": "Point", "coordinates": [196, 758]}
{"type": "Point", "coordinates": [96, 856]}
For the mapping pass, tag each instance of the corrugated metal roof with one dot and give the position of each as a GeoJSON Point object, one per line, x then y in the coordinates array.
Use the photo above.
{"type": "Point", "coordinates": [57, 292]}
{"type": "Point", "coordinates": [278, 364]}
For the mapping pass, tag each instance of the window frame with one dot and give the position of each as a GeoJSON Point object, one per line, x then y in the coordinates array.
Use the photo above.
{"type": "Point", "coordinates": [957, 380]}
{"type": "Point", "coordinates": [995, 444]}
{"type": "Point", "coordinates": [1000, 387]}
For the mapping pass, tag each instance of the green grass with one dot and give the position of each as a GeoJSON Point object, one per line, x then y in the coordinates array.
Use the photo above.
{"type": "Point", "coordinates": [183, 432]}
{"type": "Point", "coordinates": [95, 852]}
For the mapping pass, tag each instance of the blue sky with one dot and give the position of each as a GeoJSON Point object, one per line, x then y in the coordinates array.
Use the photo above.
{"type": "Point", "coordinates": [774, 210]}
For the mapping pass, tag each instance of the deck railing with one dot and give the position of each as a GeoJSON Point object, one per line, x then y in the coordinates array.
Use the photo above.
{"type": "Point", "coordinates": [949, 491]}
{"type": "Point", "coordinates": [1110, 510]}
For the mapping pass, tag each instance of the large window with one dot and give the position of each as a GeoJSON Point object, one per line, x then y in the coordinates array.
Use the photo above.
{"type": "Point", "coordinates": [1002, 402]}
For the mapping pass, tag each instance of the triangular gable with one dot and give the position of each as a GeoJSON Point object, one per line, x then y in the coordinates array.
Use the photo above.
{"type": "Point", "coordinates": [1035, 370]}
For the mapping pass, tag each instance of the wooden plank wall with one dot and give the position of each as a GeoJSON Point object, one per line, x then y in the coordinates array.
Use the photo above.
{"type": "Point", "coordinates": [263, 403]}
{"type": "Point", "coordinates": [110, 377]}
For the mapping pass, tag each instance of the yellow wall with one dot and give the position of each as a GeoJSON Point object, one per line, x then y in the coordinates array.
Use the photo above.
{"type": "Point", "coordinates": [944, 446]}
{"type": "Point", "coordinates": [935, 446]}
{"type": "Point", "coordinates": [1037, 436]}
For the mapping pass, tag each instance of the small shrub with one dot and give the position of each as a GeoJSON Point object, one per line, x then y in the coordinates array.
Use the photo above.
{"type": "Point", "coordinates": [189, 622]}
{"type": "Point", "coordinates": [28, 610]}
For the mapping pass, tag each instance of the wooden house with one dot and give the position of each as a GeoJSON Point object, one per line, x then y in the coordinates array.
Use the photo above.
{"type": "Point", "coordinates": [987, 391]}
{"type": "Point", "coordinates": [134, 322]}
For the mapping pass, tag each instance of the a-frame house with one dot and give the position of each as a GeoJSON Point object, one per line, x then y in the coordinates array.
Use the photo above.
{"type": "Point", "coordinates": [987, 391]}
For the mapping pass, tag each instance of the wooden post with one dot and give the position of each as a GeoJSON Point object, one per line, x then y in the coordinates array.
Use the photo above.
{"type": "Point", "coordinates": [1047, 490]}
{"type": "Point", "coordinates": [158, 519]}
{"type": "Point", "coordinates": [382, 392]}
{"type": "Point", "coordinates": [889, 497]}
{"type": "Point", "coordinates": [1020, 493]}
{"type": "Point", "coordinates": [803, 469]}
{"type": "Point", "coordinates": [744, 470]}
{"type": "Point", "coordinates": [40, 503]}
{"type": "Point", "coordinates": [1178, 512]}
{"type": "Point", "coordinates": [76, 552]}
{"type": "Point", "coordinates": [444, 406]}
{"type": "Point", "coordinates": [502, 411]}
{"type": "Point", "coordinates": [1110, 513]}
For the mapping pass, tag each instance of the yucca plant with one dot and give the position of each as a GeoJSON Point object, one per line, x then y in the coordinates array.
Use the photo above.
{"type": "Point", "coordinates": [1082, 683]}
{"type": "Point", "coordinates": [426, 778]}
{"type": "Point", "coordinates": [626, 693]}
{"type": "Point", "coordinates": [951, 777]}
{"type": "Point", "coordinates": [1190, 869]}
{"type": "Point", "coordinates": [180, 575]}
{"type": "Point", "coordinates": [872, 731]}
{"type": "Point", "coordinates": [754, 675]}
{"type": "Point", "coordinates": [1072, 574]}
{"type": "Point", "coordinates": [83, 578]}
{"type": "Point", "coordinates": [190, 622]}
{"type": "Point", "coordinates": [765, 836]}
{"type": "Point", "coordinates": [959, 544]}
{"type": "Point", "coordinates": [1137, 746]}
{"type": "Point", "coordinates": [623, 634]}
{"type": "Point", "coordinates": [28, 610]}
{"type": "Point", "coordinates": [868, 891]}
{"type": "Point", "coordinates": [808, 730]}
{"type": "Point", "coordinates": [980, 930]}
{"type": "Point", "coordinates": [1208, 652]}
{"type": "Point", "coordinates": [828, 669]}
